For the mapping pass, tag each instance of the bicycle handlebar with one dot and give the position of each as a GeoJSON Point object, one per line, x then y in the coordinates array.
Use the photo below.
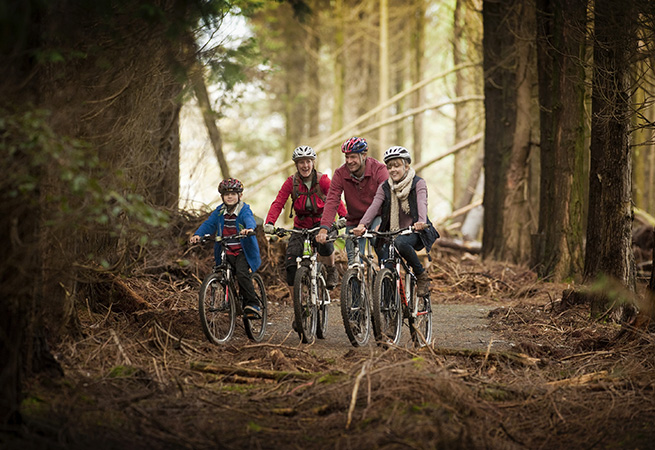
{"type": "Point", "coordinates": [283, 231]}
{"type": "Point", "coordinates": [208, 237]}
{"type": "Point", "coordinates": [373, 233]}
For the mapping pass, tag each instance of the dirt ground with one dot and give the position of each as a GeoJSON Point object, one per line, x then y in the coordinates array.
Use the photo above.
{"type": "Point", "coordinates": [511, 366]}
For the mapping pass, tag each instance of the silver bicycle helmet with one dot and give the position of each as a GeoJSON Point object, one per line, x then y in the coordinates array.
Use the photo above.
{"type": "Point", "coordinates": [397, 152]}
{"type": "Point", "coordinates": [303, 151]}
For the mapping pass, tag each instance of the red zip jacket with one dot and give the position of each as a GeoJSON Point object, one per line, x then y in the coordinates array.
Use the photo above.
{"type": "Point", "coordinates": [358, 194]}
{"type": "Point", "coordinates": [303, 218]}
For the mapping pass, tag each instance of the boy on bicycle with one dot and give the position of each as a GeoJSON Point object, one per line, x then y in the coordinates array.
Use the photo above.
{"type": "Point", "coordinates": [402, 201]}
{"type": "Point", "coordinates": [230, 218]}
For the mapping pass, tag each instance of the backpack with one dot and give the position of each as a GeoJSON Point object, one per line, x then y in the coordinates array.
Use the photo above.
{"type": "Point", "coordinates": [315, 189]}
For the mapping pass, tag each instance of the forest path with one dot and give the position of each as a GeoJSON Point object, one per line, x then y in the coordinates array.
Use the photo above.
{"type": "Point", "coordinates": [454, 327]}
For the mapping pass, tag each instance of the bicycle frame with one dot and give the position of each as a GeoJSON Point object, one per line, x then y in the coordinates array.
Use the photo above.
{"type": "Point", "coordinates": [402, 284]}
{"type": "Point", "coordinates": [227, 269]}
{"type": "Point", "coordinates": [309, 257]}
{"type": "Point", "coordinates": [363, 263]}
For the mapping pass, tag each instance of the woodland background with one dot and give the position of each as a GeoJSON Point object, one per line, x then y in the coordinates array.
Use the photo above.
{"type": "Point", "coordinates": [538, 116]}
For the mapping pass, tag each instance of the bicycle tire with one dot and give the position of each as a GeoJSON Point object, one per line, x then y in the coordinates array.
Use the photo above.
{"type": "Point", "coordinates": [217, 309]}
{"type": "Point", "coordinates": [255, 328]}
{"type": "Point", "coordinates": [323, 303]}
{"type": "Point", "coordinates": [387, 313]}
{"type": "Point", "coordinates": [355, 309]}
{"type": "Point", "coordinates": [421, 326]}
{"type": "Point", "coordinates": [305, 312]}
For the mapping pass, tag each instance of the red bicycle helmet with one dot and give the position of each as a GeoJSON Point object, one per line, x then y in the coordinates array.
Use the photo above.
{"type": "Point", "coordinates": [230, 185]}
{"type": "Point", "coordinates": [354, 145]}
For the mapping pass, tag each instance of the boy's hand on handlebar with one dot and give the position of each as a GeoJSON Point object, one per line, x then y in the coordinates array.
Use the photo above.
{"type": "Point", "coordinates": [247, 231]}
{"type": "Point", "coordinates": [321, 236]}
{"type": "Point", "coordinates": [194, 239]}
{"type": "Point", "coordinates": [359, 230]}
{"type": "Point", "coordinates": [418, 226]}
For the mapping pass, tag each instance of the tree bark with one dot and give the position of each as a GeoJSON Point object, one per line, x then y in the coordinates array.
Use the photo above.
{"type": "Point", "coordinates": [557, 248]}
{"type": "Point", "coordinates": [467, 47]}
{"type": "Point", "coordinates": [416, 75]}
{"type": "Point", "coordinates": [500, 114]}
{"type": "Point", "coordinates": [383, 67]}
{"type": "Point", "coordinates": [609, 231]}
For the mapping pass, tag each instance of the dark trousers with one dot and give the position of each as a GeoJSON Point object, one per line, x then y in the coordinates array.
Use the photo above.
{"type": "Point", "coordinates": [295, 249]}
{"type": "Point", "coordinates": [407, 246]}
{"type": "Point", "coordinates": [244, 278]}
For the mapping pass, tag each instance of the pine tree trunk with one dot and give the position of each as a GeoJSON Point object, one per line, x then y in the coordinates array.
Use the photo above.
{"type": "Point", "coordinates": [416, 75]}
{"type": "Point", "coordinates": [609, 231]}
{"type": "Point", "coordinates": [557, 251]}
{"type": "Point", "coordinates": [339, 93]}
{"type": "Point", "coordinates": [383, 67]}
{"type": "Point", "coordinates": [500, 114]}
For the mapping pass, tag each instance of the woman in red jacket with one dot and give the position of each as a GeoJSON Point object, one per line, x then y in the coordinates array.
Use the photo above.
{"type": "Point", "coordinates": [308, 189]}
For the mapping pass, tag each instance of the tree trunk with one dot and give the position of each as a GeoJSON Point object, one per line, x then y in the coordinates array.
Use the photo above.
{"type": "Point", "coordinates": [314, 81]}
{"type": "Point", "coordinates": [517, 222]}
{"type": "Point", "coordinates": [500, 118]}
{"type": "Point", "coordinates": [19, 281]}
{"type": "Point", "coordinates": [467, 44]}
{"type": "Point", "coordinates": [416, 75]}
{"type": "Point", "coordinates": [383, 67]}
{"type": "Point", "coordinates": [209, 116]}
{"type": "Point", "coordinates": [339, 81]}
{"type": "Point", "coordinates": [608, 249]}
{"type": "Point", "coordinates": [557, 248]}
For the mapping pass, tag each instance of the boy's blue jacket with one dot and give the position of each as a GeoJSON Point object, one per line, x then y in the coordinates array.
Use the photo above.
{"type": "Point", "coordinates": [245, 219]}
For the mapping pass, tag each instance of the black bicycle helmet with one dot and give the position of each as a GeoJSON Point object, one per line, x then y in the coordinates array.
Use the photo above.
{"type": "Point", "coordinates": [230, 185]}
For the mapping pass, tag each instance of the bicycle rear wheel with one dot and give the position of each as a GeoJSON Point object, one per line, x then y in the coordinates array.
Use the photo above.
{"type": "Point", "coordinates": [217, 309]}
{"type": "Point", "coordinates": [387, 315]}
{"type": "Point", "coordinates": [355, 310]}
{"type": "Point", "coordinates": [421, 325]}
{"type": "Point", "coordinates": [304, 310]}
{"type": "Point", "coordinates": [255, 328]}
{"type": "Point", "coordinates": [323, 303]}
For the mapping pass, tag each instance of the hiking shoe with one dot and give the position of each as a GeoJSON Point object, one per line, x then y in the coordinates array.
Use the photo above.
{"type": "Point", "coordinates": [332, 277]}
{"type": "Point", "coordinates": [252, 311]}
{"type": "Point", "coordinates": [423, 284]}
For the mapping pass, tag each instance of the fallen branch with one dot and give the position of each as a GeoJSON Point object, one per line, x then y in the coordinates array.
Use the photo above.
{"type": "Point", "coordinates": [252, 373]}
{"type": "Point", "coordinates": [473, 247]}
{"type": "Point", "coordinates": [353, 397]}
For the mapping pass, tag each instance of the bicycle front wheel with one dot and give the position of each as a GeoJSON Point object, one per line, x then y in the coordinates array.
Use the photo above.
{"type": "Point", "coordinates": [255, 328]}
{"type": "Point", "coordinates": [421, 325]}
{"type": "Point", "coordinates": [323, 302]}
{"type": "Point", "coordinates": [355, 310]}
{"type": "Point", "coordinates": [387, 316]}
{"type": "Point", "coordinates": [217, 309]}
{"type": "Point", "coordinates": [304, 309]}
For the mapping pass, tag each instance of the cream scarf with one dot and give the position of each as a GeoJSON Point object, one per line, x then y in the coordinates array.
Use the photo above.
{"type": "Point", "coordinates": [400, 194]}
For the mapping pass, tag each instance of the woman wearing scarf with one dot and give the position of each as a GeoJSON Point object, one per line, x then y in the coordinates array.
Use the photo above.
{"type": "Point", "coordinates": [402, 201]}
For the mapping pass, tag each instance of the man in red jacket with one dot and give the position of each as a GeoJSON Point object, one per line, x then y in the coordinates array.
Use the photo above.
{"type": "Point", "coordinates": [358, 179]}
{"type": "Point", "coordinates": [307, 189]}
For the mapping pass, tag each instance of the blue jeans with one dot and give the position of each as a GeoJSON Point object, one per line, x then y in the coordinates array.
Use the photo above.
{"type": "Point", "coordinates": [350, 246]}
{"type": "Point", "coordinates": [407, 246]}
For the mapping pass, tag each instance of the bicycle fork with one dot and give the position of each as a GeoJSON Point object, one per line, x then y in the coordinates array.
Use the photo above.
{"type": "Point", "coordinates": [412, 306]}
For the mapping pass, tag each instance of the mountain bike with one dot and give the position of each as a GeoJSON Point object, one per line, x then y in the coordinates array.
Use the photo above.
{"type": "Point", "coordinates": [311, 297]}
{"type": "Point", "coordinates": [356, 285]}
{"type": "Point", "coordinates": [220, 303]}
{"type": "Point", "coordinates": [394, 298]}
